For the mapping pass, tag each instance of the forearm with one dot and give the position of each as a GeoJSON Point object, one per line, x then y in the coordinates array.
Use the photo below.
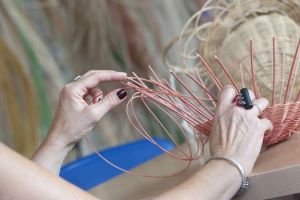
{"type": "Point", "coordinates": [22, 179]}
{"type": "Point", "coordinates": [217, 180]}
{"type": "Point", "coordinates": [81, 105]}
{"type": "Point", "coordinates": [51, 154]}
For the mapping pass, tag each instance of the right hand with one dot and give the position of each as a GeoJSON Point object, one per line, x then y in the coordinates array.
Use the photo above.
{"type": "Point", "coordinates": [76, 115]}
{"type": "Point", "coordinates": [236, 132]}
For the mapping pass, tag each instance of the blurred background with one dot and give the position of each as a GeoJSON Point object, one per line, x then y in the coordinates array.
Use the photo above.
{"type": "Point", "coordinates": [47, 43]}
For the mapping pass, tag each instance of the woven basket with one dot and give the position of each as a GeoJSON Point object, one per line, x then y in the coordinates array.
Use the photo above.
{"type": "Point", "coordinates": [284, 117]}
{"type": "Point", "coordinates": [285, 120]}
{"type": "Point", "coordinates": [261, 20]}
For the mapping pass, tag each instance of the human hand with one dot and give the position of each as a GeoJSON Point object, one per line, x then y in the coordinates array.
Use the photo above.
{"type": "Point", "coordinates": [81, 105]}
{"type": "Point", "coordinates": [237, 132]}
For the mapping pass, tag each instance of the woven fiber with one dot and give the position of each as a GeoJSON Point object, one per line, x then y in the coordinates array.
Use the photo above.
{"type": "Point", "coordinates": [261, 21]}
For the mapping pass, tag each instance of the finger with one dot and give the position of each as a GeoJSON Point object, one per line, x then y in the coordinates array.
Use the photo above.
{"type": "Point", "coordinates": [94, 71]}
{"type": "Point", "coordinates": [111, 100]}
{"type": "Point", "coordinates": [259, 105]}
{"type": "Point", "coordinates": [93, 95]}
{"type": "Point", "coordinates": [267, 125]}
{"type": "Point", "coordinates": [88, 73]}
{"type": "Point", "coordinates": [96, 94]}
{"type": "Point", "coordinates": [241, 98]}
{"type": "Point", "coordinates": [99, 76]}
{"type": "Point", "coordinates": [86, 98]}
{"type": "Point", "coordinates": [227, 95]}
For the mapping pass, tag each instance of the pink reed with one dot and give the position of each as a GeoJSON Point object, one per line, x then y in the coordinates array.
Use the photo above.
{"type": "Point", "coordinates": [198, 111]}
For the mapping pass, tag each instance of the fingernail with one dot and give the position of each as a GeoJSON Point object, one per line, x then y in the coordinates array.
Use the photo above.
{"type": "Point", "coordinates": [122, 94]}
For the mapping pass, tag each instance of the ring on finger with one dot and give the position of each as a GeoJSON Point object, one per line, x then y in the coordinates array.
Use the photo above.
{"type": "Point", "coordinates": [243, 99]}
{"type": "Point", "coordinates": [77, 78]}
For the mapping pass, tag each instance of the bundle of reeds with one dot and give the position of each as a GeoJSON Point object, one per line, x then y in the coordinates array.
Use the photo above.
{"type": "Point", "coordinates": [273, 63]}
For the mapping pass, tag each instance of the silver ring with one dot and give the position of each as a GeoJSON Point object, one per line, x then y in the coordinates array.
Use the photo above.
{"type": "Point", "coordinates": [259, 111]}
{"type": "Point", "coordinates": [77, 78]}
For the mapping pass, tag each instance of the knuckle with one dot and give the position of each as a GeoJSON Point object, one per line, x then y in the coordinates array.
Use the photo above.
{"type": "Point", "coordinates": [68, 89]}
{"type": "Point", "coordinates": [227, 89]}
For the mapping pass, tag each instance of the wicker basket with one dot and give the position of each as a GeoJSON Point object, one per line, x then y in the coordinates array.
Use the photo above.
{"type": "Point", "coordinates": [261, 20]}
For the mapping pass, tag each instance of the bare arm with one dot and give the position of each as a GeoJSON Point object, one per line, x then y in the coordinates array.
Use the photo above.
{"type": "Point", "coordinates": [236, 133]}
{"type": "Point", "coordinates": [77, 114]}
{"type": "Point", "coordinates": [217, 180]}
{"type": "Point", "coordinates": [22, 179]}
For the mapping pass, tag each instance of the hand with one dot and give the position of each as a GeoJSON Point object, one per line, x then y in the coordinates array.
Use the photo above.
{"type": "Point", "coordinates": [237, 132]}
{"type": "Point", "coordinates": [80, 107]}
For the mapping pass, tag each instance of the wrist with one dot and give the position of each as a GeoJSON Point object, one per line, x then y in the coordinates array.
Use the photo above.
{"type": "Point", "coordinates": [56, 146]}
{"type": "Point", "coordinates": [51, 154]}
{"type": "Point", "coordinates": [229, 169]}
{"type": "Point", "coordinates": [243, 180]}
{"type": "Point", "coordinates": [56, 142]}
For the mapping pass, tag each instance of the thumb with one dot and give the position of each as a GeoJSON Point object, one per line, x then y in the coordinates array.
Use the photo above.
{"type": "Point", "coordinates": [111, 100]}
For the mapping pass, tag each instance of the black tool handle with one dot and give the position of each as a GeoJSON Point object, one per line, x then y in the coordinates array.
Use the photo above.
{"type": "Point", "coordinates": [248, 103]}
